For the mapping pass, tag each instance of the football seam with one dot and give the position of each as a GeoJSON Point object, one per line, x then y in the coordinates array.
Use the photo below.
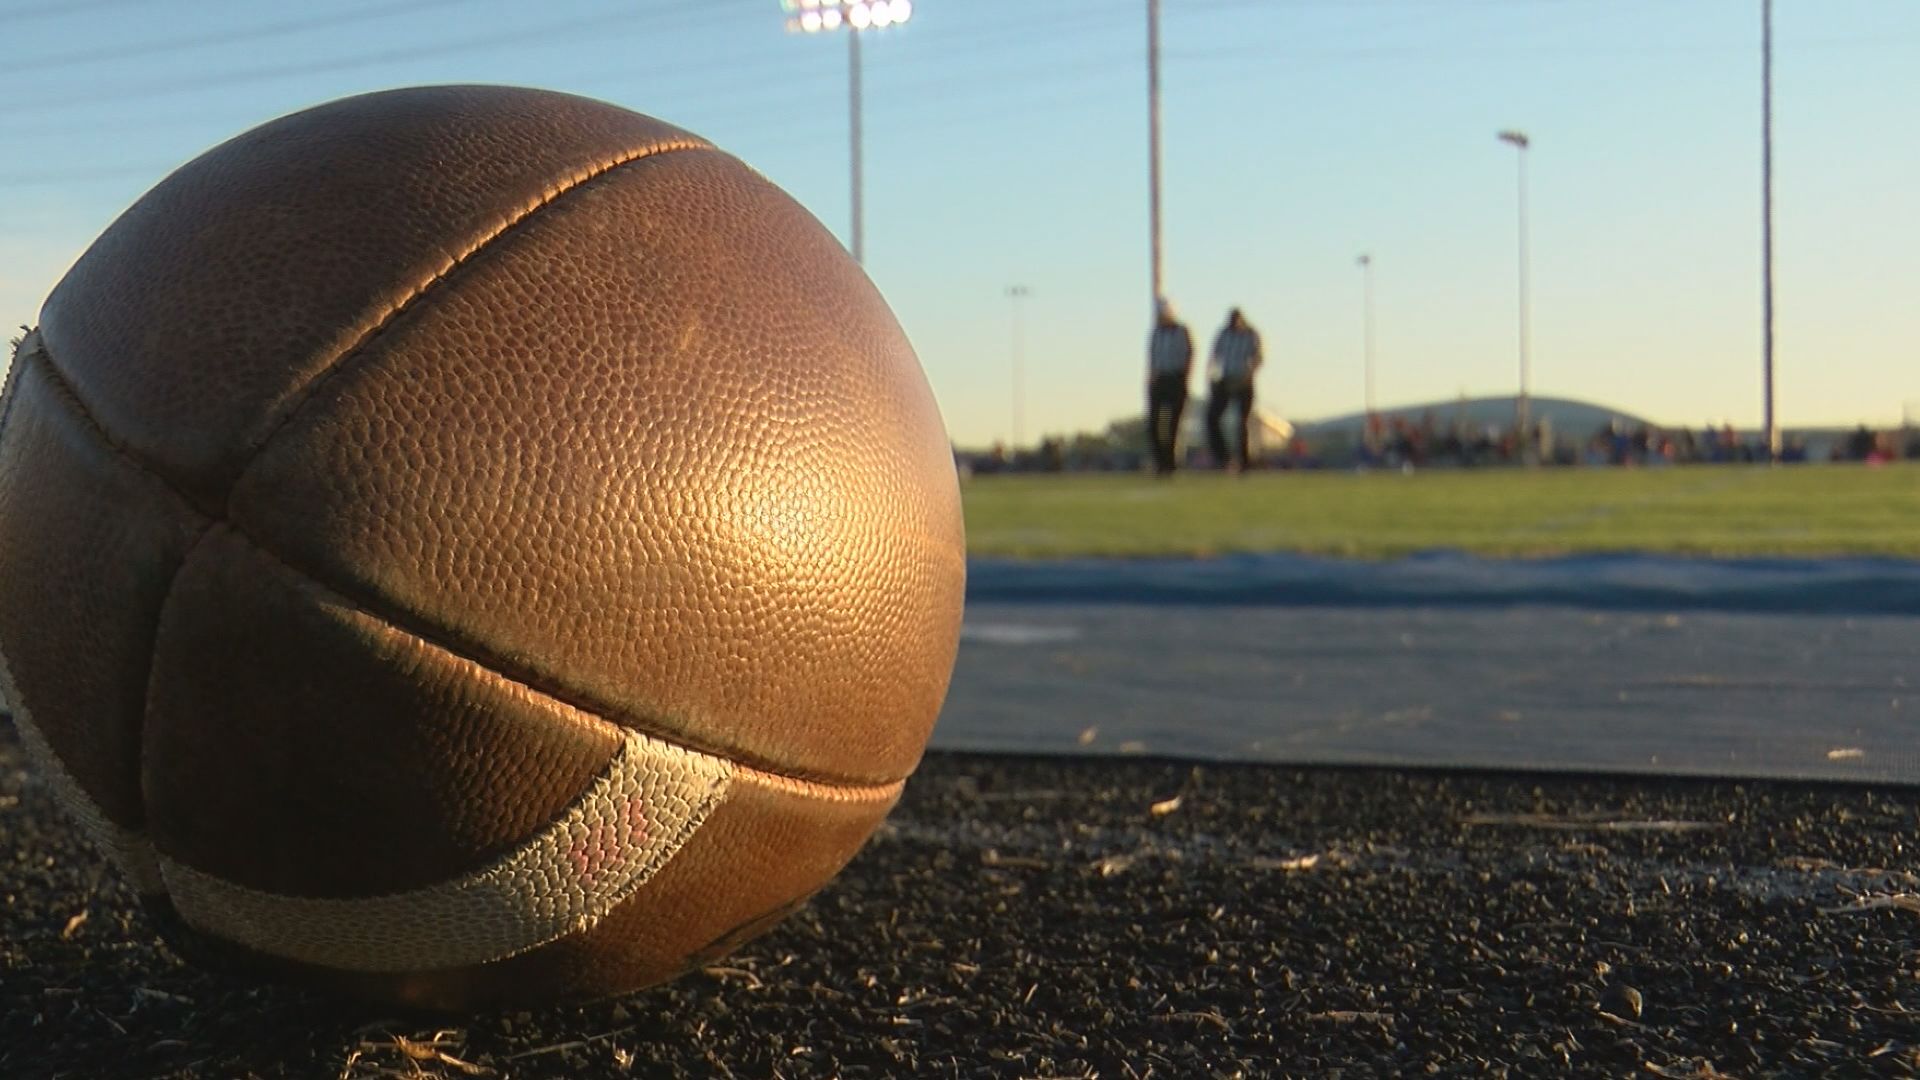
{"type": "Point", "coordinates": [559, 879]}
{"type": "Point", "coordinates": [600, 711]}
{"type": "Point", "coordinates": [13, 372]}
{"type": "Point", "coordinates": [432, 636]}
{"type": "Point", "coordinates": [297, 399]}
{"type": "Point", "coordinates": [71, 394]}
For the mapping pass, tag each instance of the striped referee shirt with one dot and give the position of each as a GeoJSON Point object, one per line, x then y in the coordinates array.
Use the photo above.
{"type": "Point", "coordinates": [1236, 353]}
{"type": "Point", "coordinates": [1169, 350]}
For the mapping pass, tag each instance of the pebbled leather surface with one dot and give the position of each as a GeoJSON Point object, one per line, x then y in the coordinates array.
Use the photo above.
{"type": "Point", "coordinates": [586, 405]}
{"type": "Point", "coordinates": [294, 745]}
{"type": "Point", "coordinates": [196, 320]}
{"type": "Point", "coordinates": [764, 852]}
{"type": "Point", "coordinates": [662, 452]}
{"type": "Point", "coordinates": [88, 547]}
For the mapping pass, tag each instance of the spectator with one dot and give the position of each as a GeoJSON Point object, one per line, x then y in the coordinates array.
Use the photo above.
{"type": "Point", "coordinates": [1860, 444]}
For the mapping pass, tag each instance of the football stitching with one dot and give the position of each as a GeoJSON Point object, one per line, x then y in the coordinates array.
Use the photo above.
{"type": "Point", "coordinates": [71, 395]}
{"type": "Point", "coordinates": [831, 787]}
{"type": "Point", "coordinates": [13, 372]}
{"type": "Point", "coordinates": [126, 848]}
{"type": "Point", "coordinates": [297, 399]}
{"type": "Point", "coordinates": [293, 404]}
{"type": "Point", "coordinates": [644, 725]}
{"type": "Point", "coordinates": [825, 787]}
{"type": "Point", "coordinates": [642, 808]}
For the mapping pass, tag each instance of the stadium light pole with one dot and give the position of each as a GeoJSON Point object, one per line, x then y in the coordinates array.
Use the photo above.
{"type": "Point", "coordinates": [1366, 331]}
{"type": "Point", "coordinates": [855, 17]}
{"type": "Point", "coordinates": [1766, 228]}
{"type": "Point", "coordinates": [1522, 405]}
{"type": "Point", "coordinates": [1153, 149]}
{"type": "Point", "coordinates": [1016, 294]}
{"type": "Point", "coordinates": [857, 213]}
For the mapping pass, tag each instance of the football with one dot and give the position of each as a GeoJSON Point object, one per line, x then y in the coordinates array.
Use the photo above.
{"type": "Point", "coordinates": [472, 545]}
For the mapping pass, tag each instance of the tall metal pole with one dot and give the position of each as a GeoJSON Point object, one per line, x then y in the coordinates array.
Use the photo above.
{"type": "Point", "coordinates": [1153, 144]}
{"type": "Point", "coordinates": [1366, 330]}
{"type": "Point", "coordinates": [1522, 405]}
{"type": "Point", "coordinates": [850, 17]}
{"type": "Point", "coordinates": [1524, 408]}
{"type": "Point", "coordinates": [1766, 225]}
{"type": "Point", "coordinates": [1015, 294]}
{"type": "Point", "coordinates": [853, 128]}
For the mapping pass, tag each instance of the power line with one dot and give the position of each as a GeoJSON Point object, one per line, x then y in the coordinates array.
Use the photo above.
{"type": "Point", "coordinates": [1017, 82]}
{"type": "Point", "coordinates": [67, 7]}
{"type": "Point", "coordinates": [64, 177]}
{"type": "Point", "coordinates": [1388, 52]}
{"type": "Point", "coordinates": [978, 43]}
{"type": "Point", "coordinates": [1016, 79]}
{"type": "Point", "coordinates": [986, 88]}
{"type": "Point", "coordinates": [1349, 5]}
{"type": "Point", "coordinates": [252, 33]}
{"type": "Point", "coordinates": [479, 43]}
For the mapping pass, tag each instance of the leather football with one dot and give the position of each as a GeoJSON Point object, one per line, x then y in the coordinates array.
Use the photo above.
{"type": "Point", "coordinates": [472, 545]}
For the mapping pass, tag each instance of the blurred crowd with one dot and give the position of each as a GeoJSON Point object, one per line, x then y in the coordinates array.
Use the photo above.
{"type": "Point", "coordinates": [1400, 443]}
{"type": "Point", "coordinates": [1231, 434]}
{"type": "Point", "coordinates": [1647, 445]}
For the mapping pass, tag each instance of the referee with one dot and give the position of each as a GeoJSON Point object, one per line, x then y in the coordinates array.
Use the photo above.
{"type": "Point", "coordinates": [1169, 359]}
{"type": "Point", "coordinates": [1236, 359]}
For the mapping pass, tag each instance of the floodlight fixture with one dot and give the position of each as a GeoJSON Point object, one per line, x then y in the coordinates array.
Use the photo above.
{"type": "Point", "coordinates": [816, 16]}
{"type": "Point", "coordinates": [854, 16]}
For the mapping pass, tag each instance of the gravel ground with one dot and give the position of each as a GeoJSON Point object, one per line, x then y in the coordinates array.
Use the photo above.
{"type": "Point", "coordinates": [1130, 918]}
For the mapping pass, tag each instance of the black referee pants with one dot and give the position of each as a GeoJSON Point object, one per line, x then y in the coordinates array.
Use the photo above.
{"type": "Point", "coordinates": [1166, 401]}
{"type": "Point", "coordinates": [1229, 395]}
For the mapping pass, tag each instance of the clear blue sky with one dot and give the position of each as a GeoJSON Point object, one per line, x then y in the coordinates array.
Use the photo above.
{"type": "Point", "coordinates": [1006, 143]}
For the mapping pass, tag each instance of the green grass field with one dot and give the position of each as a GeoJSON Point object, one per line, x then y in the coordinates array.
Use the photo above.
{"type": "Point", "coordinates": [1701, 510]}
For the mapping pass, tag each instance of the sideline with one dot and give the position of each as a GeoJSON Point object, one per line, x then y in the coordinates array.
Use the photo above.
{"type": "Point", "coordinates": [1602, 582]}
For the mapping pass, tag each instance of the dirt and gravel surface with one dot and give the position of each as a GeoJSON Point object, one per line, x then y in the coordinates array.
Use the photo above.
{"type": "Point", "coordinates": [1130, 918]}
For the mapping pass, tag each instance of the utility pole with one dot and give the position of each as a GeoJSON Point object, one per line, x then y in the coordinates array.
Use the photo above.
{"type": "Point", "coordinates": [1153, 147]}
{"type": "Point", "coordinates": [1523, 405]}
{"type": "Point", "coordinates": [853, 140]}
{"type": "Point", "coordinates": [1766, 228]}
{"type": "Point", "coordinates": [1366, 329]}
{"type": "Point", "coordinates": [1016, 294]}
{"type": "Point", "coordinates": [854, 17]}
